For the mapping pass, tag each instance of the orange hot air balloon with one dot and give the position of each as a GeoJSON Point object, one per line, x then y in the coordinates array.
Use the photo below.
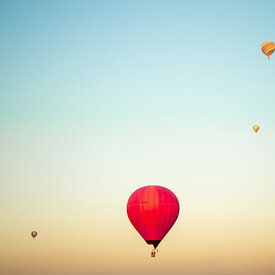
{"type": "Point", "coordinates": [268, 48]}
{"type": "Point", "coordinates": [256, 128]}
{"type": "Point", "coordinates": [34, 234]}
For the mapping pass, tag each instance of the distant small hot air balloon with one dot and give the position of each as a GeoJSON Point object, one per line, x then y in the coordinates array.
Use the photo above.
{"type": "Point", "coordinates": [153, 210]}
{"type": "Point", "coordinates": [256, 128]}
{"type": "Point", "coordinates": [34, 234]}
{"type": "Point", "coordinates": [268, 48]}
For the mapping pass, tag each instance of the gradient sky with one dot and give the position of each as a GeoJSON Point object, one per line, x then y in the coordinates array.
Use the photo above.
{"type": "Point", "coordinates": [98, 98]}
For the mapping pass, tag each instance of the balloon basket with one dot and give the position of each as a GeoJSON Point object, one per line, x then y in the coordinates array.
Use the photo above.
{"type": "Point", "coordinates": [153, 254]}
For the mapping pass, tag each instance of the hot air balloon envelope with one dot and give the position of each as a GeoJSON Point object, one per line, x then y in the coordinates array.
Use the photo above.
{"type": "Point", "coordinates": [34, 234]}
{"type": "Point", "coordinates": [256, 128]}
{"type": "Point", "coordinates": [153, 210]}
{"type": "Point", "coordinates": [268, 48]}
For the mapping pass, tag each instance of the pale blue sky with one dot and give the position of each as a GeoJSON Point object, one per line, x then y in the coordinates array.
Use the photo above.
{"type": "Point", "coordinates": [89, 63]}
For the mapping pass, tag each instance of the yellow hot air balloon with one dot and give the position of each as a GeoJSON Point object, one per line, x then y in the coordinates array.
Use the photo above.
{"type": "Point", "coordinates": [268, 48]}
{"type": "Point", "coordinates": [256, 128]}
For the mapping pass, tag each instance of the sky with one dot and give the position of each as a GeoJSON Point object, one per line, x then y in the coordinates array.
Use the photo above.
{"type": "Point", "coordinates": [99, 98]}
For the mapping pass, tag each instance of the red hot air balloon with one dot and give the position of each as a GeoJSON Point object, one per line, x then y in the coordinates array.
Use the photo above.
{"type": "Point", "coordinates": [153, 210]}
{"type": "Point", "coordinates": [34, 234]}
